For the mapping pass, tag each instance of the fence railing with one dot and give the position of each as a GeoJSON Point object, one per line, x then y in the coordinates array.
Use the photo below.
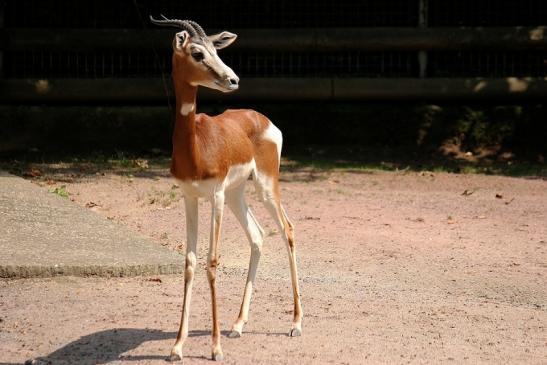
{"type": "Point", "coordinates": [325, 39]}
{"type": "Point", "coordinates": [420, 85]}
{"type": "Point", "coordinates": [155, 91]}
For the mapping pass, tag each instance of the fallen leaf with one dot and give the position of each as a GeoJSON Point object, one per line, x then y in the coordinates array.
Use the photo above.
{"type": "Point", "coordinates": [33, 172]}
{"type": "Point", "coordinates": [141, 163]}
{"type": "Point", "coordinates": [157, 280]}
{"type": "Point", "coordinates": [499, 196]}
{"type": "Point", "coordinates": [91, 205]}
{"type": "Point", "coordinates": [467, 192]}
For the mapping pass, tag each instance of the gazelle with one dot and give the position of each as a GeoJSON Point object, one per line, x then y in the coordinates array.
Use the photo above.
{"type": "Point", "coordinates": [212, 158]}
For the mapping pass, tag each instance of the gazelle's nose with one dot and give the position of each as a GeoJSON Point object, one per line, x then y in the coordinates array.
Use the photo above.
{"type": "Point", "coordinates": [233, 80]}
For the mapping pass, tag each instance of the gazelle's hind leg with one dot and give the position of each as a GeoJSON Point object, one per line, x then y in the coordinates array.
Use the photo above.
{"type": "Point", "coordinates": [236, 201]}
{"type": "Point", "coordinates": [270, 190]}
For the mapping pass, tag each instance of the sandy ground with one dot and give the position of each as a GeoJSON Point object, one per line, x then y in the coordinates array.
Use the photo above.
{"type": "Point", "coordinates": [395, 267]}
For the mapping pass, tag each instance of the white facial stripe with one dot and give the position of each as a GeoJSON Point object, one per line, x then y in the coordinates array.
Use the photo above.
{"type": "Point", "coordinates": [198, 48]}
{"type": "Point", "coordinates": [186, 108]}
{"type": "Point", "coordinates": [219, 75]}
{"type": "Point", "coordinates": [211, 58]}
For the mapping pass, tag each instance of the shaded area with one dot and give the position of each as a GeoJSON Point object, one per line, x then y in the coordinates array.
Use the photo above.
{"type": "Point", "coordinates": [106, 346]}
{"type": "Point", "coordinates": [110, 345]}
{"type": "Point", "coordinates": [82, 141]}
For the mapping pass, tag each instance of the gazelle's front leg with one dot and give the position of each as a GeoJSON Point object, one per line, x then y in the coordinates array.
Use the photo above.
{"type": "Point", "coordinates": [236, 201]}
{"type": "Point", "coordinates": [212, 262]}
{"type": "Point", "coordinates": [191, 205]}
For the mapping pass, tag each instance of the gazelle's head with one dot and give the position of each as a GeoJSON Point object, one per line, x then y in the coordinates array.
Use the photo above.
{"type": "Point", "coordinates": [195, 58]}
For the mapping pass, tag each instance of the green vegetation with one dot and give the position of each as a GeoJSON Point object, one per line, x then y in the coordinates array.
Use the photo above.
{"type": "Point", "coordinates": [489, 139]}
{"type": "Point", "coordinates": [360, 160]}
{"type": "Point", "coordinates": [61, 191]}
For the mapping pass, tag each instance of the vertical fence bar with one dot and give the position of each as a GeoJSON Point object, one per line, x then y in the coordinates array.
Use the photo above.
{"type": "Point", "coordinates": [422, 23]}
{"type": "Point", "coordinates": [3, 45]}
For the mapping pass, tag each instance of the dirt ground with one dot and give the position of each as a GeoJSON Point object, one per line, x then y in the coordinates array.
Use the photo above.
{"type": "Point", "coordinates": [395, 267]}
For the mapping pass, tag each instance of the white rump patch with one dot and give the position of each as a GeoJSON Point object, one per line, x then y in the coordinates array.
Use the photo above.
{"type": "Point", "coordinates": [272, 133]}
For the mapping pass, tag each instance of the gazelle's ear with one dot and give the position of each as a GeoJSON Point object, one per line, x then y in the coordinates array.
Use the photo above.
{"type": "Point", "coordinates": [180, 40]}
{"type": "Point", "coordinates": [222, 40]}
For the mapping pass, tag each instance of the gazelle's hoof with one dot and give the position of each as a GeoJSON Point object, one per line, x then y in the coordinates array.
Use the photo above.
{"type": "Point", "coordinates": [174, 358]}
{"type": "Point", "coordinates": [295, 332]}
{"type": "Point", "coordinates": [176, 355]}
{"type": "Point", "coordinates": [234, 334]}
{"type": "Point", "coordinates": [217, 355]}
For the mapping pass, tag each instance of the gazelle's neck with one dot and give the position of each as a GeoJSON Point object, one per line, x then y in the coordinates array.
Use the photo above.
{"type": "Point", "coordinates": [186, 102]}
{"type": "Point", "coordinates": [184, 162]}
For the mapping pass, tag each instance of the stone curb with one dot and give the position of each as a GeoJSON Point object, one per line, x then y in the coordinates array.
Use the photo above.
{"type": "Point", "coordinates": [44, 235]}
{"type": "Point", "coordinates": [34, 271]}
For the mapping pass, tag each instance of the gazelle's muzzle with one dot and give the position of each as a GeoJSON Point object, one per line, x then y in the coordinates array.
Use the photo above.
{"type": "Point", "coordinates": [229, 84]}
{"type": "Point", "coordinates": [228, 80]}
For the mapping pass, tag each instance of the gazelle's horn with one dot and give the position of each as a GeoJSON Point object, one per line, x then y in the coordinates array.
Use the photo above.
{"type": "Point", "coordinates": [177, 23]}
{"type": "Point", "coordinates": [198, 28]}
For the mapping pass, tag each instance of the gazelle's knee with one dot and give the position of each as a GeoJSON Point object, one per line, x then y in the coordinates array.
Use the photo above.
{"type": "Point", "coordinates": [289, 230]}
{"type": "Point", "coordinates": [212, 269]}
{"type": "Point", "coordinates": [256, 239]}
{"type": "Point", "coordinates": [290, 240]}
{"type": "Point", "coordinates": [256, 234]}
{"type": "Point", "coordinates": [190, 266]}
{"type": "Point", "coordinates": [256, 247]}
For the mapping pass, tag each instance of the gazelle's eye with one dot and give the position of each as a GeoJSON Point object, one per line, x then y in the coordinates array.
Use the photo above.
{"type": "Point", "coordinates": [198, 56]}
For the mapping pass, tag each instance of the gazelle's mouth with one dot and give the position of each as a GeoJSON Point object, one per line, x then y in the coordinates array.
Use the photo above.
{"type": "Point", "coordinates": [227, 87]}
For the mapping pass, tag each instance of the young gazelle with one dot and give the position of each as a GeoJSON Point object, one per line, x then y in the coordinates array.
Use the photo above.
{"type": "Point", "coordinates": [212, 158]}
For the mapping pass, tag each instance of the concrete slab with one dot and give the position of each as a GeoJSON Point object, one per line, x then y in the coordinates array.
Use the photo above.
{"type": "Point", "coordinates": [42, 234]}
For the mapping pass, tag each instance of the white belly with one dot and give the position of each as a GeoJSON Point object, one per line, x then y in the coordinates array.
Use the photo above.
{"type": "Point", "coordinates": [237, 175]}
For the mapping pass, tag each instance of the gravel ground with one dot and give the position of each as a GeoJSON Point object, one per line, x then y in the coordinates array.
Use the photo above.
{"type": "Point", "coordinates": [395, 267]}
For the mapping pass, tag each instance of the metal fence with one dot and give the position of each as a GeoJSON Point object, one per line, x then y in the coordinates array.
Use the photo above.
{"type": "Point", "coordinates": [487, 13]}
{"type": "Point", "coordinates": [128, 64]}
{"type": "Point", "coordinates": [274, 14]}
{"type": "Point", "coordinates": [215, 14]}
{"type": "Point", "coordinates": [327, 40]}
{"type": "Point", "coordinates": [487, 64]}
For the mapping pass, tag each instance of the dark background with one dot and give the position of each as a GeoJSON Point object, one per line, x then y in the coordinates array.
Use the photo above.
{"type": "Point", "coordinates": [398, 123]}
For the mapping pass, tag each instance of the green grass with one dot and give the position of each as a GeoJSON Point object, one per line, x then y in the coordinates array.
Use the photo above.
{"type": "Point", "coordinates": [60, 191]}
{"type": "Point", "coordinates": [358, 160]}
{"type": "Point", "coordinates": [310, 158]}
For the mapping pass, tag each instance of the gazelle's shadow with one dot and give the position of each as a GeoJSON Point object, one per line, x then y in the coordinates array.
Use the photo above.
{"type": "Point", "coordinates": [109, 345]}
